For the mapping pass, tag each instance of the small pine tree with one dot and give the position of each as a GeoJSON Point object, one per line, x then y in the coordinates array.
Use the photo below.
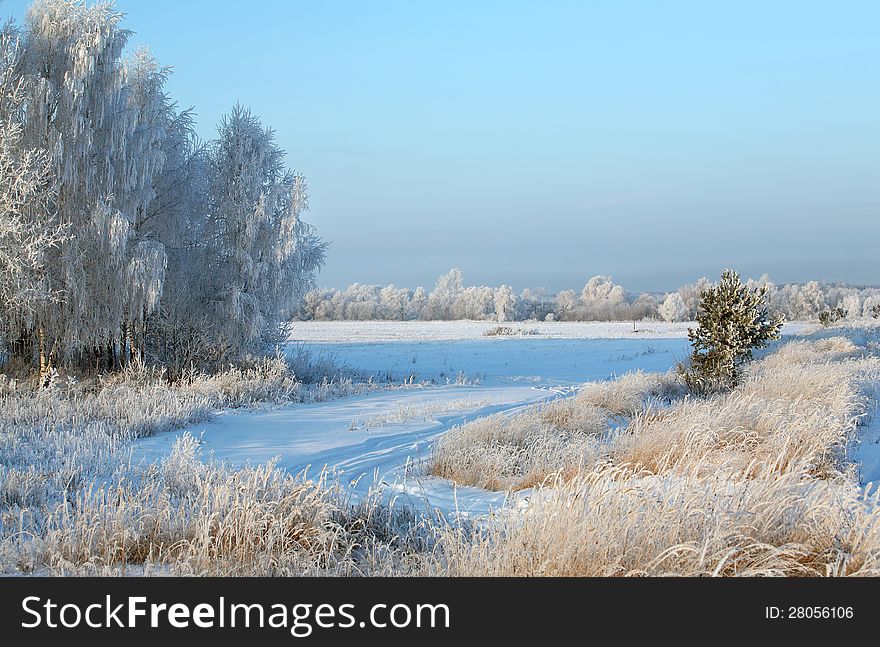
{"type": "Point", "coordinates": [875, 311]}
{"type": "Point", "coordinates": [733, 320]}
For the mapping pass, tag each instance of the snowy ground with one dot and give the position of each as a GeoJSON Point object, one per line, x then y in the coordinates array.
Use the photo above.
{"type": "Point", "coordinates": [456, 351]}
{"type": "Point", "coordinates": [378, 438]}
{"type": "Point", "coordinates": [504, 360]}
{"type": "Point", "coordinates": [384, 437]}
{"type": "Point", "coordinates": [866, 453]}
{"type": "Point", "coordinates": [376, 331]}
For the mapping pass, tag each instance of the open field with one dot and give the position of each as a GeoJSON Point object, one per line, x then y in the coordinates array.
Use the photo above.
{"type": "Point", "coordinates": [354, 332]}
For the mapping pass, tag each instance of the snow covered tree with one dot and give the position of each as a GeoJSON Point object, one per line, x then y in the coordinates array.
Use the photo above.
{"type": "Point", "coordinates": [261, 258]}
{"type": "Point", "coordinates": [180, 334]}
{"type": "Point", "coordinates": [808, 300]}
{"type": "Point", "coordinates": [505, 303]}
{"type": "Point", "coordinates": [851, 303]}
{"type": "Point", "coordinates": [832, 316]}
{"type": "Point", "coordinates": [871, 307]}
{"type": "Point", "coordinates": [602, 298]}
{"type": "Point", "coordinates": [94, 116]}
{"type": "Point", "coordinates": [121, 236]}
{"type": "Point", "coordinates": [645, 306]}
{"type": "Point", "coordinates": [673, 308]}
{"type": "Point", "coordinates": [566, 303]}
{"type": "Point", "coordinates": [733, 320]}
{"type": "Point", "coordinates": [474, 302]}
{"type": "Point", "coordinates": [691, 295]}
{"type": "Point", "coordinates": [442, 298]}
{"type": "Point", "coordinates": [28, 233]}
{"type": "Point", "coordinates": [393, 302]}
{"type": "Point", "coordinates": [418, 303]}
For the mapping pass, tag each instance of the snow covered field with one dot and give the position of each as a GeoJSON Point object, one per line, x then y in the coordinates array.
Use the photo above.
{"type": "Point", "coordinates": [506, 360]}
{"type": "Point", "coordinates": [376, 331]}
{"type": "Point", "coordinates": [385, 436]}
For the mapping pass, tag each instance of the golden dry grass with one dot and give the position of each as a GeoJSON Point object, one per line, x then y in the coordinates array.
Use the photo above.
{"type": "Point", "coordinates": [613, 523]}
{"type": "Point", "coordinates": [748, 483]}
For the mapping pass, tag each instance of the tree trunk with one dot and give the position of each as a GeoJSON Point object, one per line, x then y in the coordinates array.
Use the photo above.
{"type": "Point", "coordinates": [44, 360]}
{"type": "Point", "coordinates": [128, 350]}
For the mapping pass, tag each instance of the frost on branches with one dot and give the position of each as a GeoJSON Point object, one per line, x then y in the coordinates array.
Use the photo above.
{"type": "Point", "coordinates": [733, 320]}
{"type": "Point", "coordinates": [28, 233]}
{"type": "Point", "coordinates": [121, 236]}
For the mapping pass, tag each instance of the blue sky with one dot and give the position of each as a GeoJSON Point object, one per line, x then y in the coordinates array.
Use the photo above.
{"type": "Point", "coordinates": [539, 144]}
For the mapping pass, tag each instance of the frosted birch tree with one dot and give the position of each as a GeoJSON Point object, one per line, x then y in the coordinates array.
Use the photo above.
{"type": "Point", "coordinates": [261, 257]}
{"type": "Point", "coordinates": [94, 115]}
{"type": "Point", "coordinates": [673, 308]}
{"type": "Point", "coordinates": [601, 297]}
{"type": "Point", "coordinates": [122, 236]}
{"type": "Point", "coordinates": [446, 291]}
{"type": "Point", "coordinates": [28, 233]}
{"type": "Point", "coordinates": [505, 303]}
{"type": "Point", "coordinates": [566, 302]}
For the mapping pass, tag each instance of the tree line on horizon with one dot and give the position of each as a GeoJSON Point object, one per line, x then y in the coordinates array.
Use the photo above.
{"type": "Point", "coordinates": [601, 299]}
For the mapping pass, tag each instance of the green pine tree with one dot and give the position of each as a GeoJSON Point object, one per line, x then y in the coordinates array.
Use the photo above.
{"type": "Point", "coordinates": [733, 320]}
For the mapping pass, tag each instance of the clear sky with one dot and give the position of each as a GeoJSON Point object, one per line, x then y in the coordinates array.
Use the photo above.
{"type": "Point", "coordinates": [541, 143]}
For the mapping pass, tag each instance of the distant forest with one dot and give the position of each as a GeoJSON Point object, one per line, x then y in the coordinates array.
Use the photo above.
{"type": "Point", "coordinates": [600, 300]}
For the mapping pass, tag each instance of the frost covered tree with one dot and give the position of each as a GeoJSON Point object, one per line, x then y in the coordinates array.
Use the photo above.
{"type": "Point", "coordinates": [394, 302]}
{"type": "Point", "coordinates": [28, 233]}
{"type": "Point", "coordinates": [808, 301]}
{"type": "Point", "coordinates": [446, 291]}
{"type": "Point", "coordinates": [733, 320]}
{"type": "Point", "coordinates": [691, 295]}
{"type": "Point", "coordinates": [260, 257]}
{"type": "Point", "coordinates": [566, 303]}
{"type": "Point", "coordinates": [505, 303]}
{"type": "Point", "coordinates": [673, 308]}
{"type": "Point", "coordinates": [474, 302]}
{"type": "Point", "coordinates": [533, 304]}
{"type": "Point", "coordinates": [601, 294]}
{"type": "Point", "coordinates": [180, 333]}
{"type": "Point", "coordinates": [93, 115]}
{"type": "Point", "coordinates": [644, 307]}
{"type": "Point", "coordinates": [122, 236]}
{"type": "Point", "coordinates": [871, 307]}
{"type": "Point", "coordinates": [852, 304]}
{"type": "Point", "coordinates": [418, 303]}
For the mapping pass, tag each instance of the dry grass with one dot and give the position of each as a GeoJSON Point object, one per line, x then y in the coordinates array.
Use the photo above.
{"type": "Point", "coordinates": [749, 483]}
{"type": "Point", "coordinates": [795, 410]}
{"type": "Point", "coordinates": [797, 406]}
{"type": "Point", "coordinates": [611, 523]}
{"type": "Point", "coordinates": [632, 393]}
{"type": "Point", "coordinates": [503, 452]}
{"type": "Point", "coordinates": [630, 477]}
{"type": "Point", "coordinates": [186, 517]}
{"type": "Point", "coordinates": [71, 501]}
